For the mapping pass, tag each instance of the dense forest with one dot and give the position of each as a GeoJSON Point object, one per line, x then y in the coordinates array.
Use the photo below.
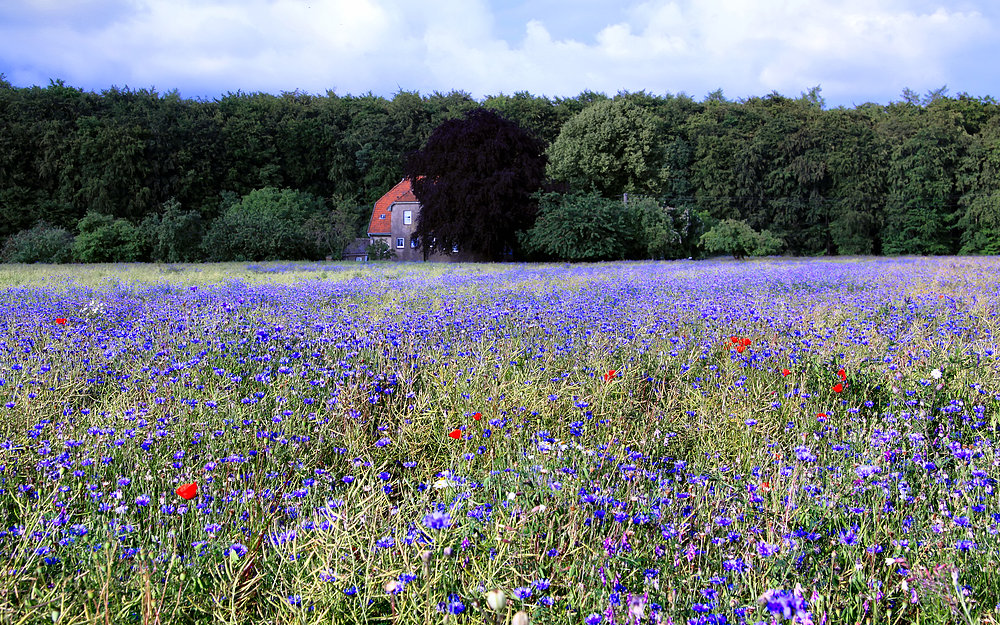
{"type": "Point", "coordinates": [128, 175]}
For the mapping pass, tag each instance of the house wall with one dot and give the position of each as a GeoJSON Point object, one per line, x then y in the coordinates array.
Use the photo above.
{"type": "Point", "coordinates": [401, 230]}
{"type": "Point", "coordinates": [404, 231]}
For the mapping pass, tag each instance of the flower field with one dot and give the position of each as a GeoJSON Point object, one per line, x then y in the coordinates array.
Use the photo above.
{"type": "Point", "coordinates": [808, 441]}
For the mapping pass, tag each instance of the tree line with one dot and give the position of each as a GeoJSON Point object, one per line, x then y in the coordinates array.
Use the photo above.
{"type": "Point", "coordinates": [134, 175]}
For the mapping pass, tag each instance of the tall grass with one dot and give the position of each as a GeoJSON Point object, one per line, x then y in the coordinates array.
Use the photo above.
{"type": "Point", "coordinates": [630, 462]}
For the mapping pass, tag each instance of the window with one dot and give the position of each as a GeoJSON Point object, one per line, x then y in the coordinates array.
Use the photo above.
{"type": "Point", "coordinates": [454, 249]}
{"type": "Point", "coordinates": [399, 243]}
{"type": "Point", "coordinates": [407, 217]}
{"type": "Point", "coordinates": [414, 242]}
{"type": "Point", "coordinates": [381, 216]}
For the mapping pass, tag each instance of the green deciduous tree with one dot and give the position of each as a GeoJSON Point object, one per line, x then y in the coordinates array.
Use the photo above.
{"type": "Point", "coordinates": [922, 211]}
{"type": "Point", "coordinates": [581, 227]}
{"type": "Point", "coordinates": [979, 182]}
{"type": "Point", "coordinates": [332, 231]}
{"type": "Point", "coordinates": [740, 240]}
{"type": "Point", "coordinates": [612, 148]}
{"type": "Point", "coordinates": [266, 224]}
{"type": "Point", "coordinates": [104, 239]}
{"type": "Point", "coordinates": [40, 244]}
{"type": "Point", "coordinates": [175, 235]}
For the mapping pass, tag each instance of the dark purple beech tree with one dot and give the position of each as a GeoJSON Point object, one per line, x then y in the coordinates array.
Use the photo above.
{"type": "Point", "coordinates": [475, 178]}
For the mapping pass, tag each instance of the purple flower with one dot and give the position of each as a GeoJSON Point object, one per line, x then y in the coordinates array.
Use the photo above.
{"type": "Point", "coordinates": [788, 604]}
{"type": "Point", "coordinates": [865, 471]}
{"type": "Point", "coordinates": [454, 605]}
{"type": "Point", "coordinates": [804, 455]}
{"type": "Point", "coordinates": [767, 550]}
{"type": "Point", "coordinates": [236, 548]}
{"type": "Point", "coordinates": [437, 520]}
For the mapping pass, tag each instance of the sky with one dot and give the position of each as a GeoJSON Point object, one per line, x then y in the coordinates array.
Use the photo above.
{"type": "Point", "coordinates": [856, 51]}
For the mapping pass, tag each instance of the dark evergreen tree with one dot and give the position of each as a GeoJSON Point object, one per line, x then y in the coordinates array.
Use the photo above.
{"type": "Point", "coordinates": [475, 178]}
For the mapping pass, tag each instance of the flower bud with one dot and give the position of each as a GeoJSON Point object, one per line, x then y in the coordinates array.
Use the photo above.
{"type": "Point", "coordinates": [521, 618]}
{"type": "Point", "coordinates": [496, 599]}
{"type": "Point", "coordinates": [448, 551]}
{"type": "Point", "coordinates": [425, 556]}
{"type": "Point", "coordinates": [392, 586]}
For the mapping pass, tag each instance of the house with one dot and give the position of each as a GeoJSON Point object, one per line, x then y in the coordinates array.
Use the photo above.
{"type": "Point", "coordinates": [357, 250]}
{"type": "Point", "coordinates": [394, 222]}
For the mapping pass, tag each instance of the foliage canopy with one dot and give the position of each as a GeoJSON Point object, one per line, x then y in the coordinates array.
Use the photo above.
{"type": "Point", "coordinates": [475, 178]}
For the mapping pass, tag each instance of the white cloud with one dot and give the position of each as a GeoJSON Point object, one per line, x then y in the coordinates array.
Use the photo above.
{"type": "Point", "coordinates": [854, 48]}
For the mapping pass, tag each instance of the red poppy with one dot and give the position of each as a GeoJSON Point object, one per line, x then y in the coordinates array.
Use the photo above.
{"type": "Point", "coordinates": [477, 416]}
{"type": "Point", "coordinates": [786, 372]}
{"type": "Point", "coordinates": [740, 348]}
{"type": "Point", "coordinates": [838, 387]}
{"type": "Point", "coordinates": [842, 374]}
{"type": "Point", "coordinates": [745, 342]}
{"type": "Point", "coordinates": [187, 491]}
{"type": "Point", "coordinates": [61, 321]}
{"type": "Point", "coordinates": [610, 375]}
{"type": "Point", "coordinates": [455, 434]}
{"type": "Point", "coordinates": [765, 486]}
{"type": "Point", "coordinates": [734, 339]}
{"type": "Point", "coordinates": [821, 417]}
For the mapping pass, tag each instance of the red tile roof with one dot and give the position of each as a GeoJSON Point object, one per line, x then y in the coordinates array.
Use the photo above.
{"type": "Point", "coordinates": [381, 222]}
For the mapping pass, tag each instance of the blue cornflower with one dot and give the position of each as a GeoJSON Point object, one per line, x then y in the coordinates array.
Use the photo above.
{"type": "Point", "coordinates": [767, 550]}
{"type": "Point", "coordinates": [437, 520]}
{"type": "Point", "coordinates": [295, 600]}
{"type": "Point", "coordinates": [541, 584]}
{"type": "Point", "coordinates": [848, 537]}
{"type": "Point", "coordinates": [238, 548]}
{"type": "Point", "coordinates": [865, 471]}
{"type": "Point", "coordinates": [385, 542]}
{"type": "Point", "coordinates": [142, 500]}
{"type": "Point", "coordinates": [788, 604]}
{"type": "Point", "coordinates": [804, 455]}
{"type": "Point", "coordinates": [522, 593]}
{"type": "Point", "coordinates": [593, 619]}
{"type": "Point", "coordinates": [454, 605]}
{"type": "Point", "coordinates": [965, 545]}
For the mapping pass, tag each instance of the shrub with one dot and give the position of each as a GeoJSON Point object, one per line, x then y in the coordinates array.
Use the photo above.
{"type": "Point", "coordinates": [739, 239]}
{"type": "Point", "coordinates": [580, 227]}
{"type": "Point", "coordinates": [380, 250]}
{"type": "Point", "coordinates": [175, 236]}
{"type": "Point", "coordinates": [332, 231]}
{"type": "Point", "coordinates": [266, 224]}
{"type": "Point", "coordinates": [40, 244]}
{"type": "Point", "coordinates": [104, 239]}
